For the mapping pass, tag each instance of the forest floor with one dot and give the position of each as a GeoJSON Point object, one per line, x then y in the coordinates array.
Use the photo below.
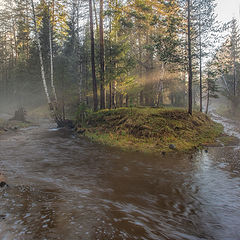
{"type": "Point", "coordinates": [153, 130]}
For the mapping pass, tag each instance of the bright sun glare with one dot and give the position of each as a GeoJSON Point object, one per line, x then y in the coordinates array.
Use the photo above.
{"type": "Point", "coordinates": [227, 9]}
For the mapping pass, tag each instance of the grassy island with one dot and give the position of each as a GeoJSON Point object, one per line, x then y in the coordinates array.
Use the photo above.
{"type": "Point", "coordinates": [151, 129]}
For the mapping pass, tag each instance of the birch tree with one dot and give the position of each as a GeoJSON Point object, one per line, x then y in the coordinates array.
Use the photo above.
{"type": "Point", "coordinates": [53, 107]}
{"type": "Point", "coordinates": [51, 58]}
{"type": "Point", "coordinates": [41, 58]}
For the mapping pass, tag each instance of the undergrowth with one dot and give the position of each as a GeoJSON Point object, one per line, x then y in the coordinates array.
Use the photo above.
{"type": "Point", "coordinates": [150, 129]}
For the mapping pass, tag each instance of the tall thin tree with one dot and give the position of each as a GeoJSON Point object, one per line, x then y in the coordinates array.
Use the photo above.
{"type": "Point", "coordinates": [190, 72]}
{"type": "Point", "coordinates": [51, 57]}
{"type": "Point", "coordinates": [102, 64]}
{"type": "Point", "coordinates": [41, 57]}
{"type": "Point", "coordinates": [94, 79]}
{"type": "Point", "coordinates": [200, 60]}
{"type": "Point", "coordinates": [54, 111]}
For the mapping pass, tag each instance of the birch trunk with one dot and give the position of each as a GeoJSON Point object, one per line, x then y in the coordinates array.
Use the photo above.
{"type": "Point", "coordinates": [51, 61]}
{"type": "Point", "coordinates": [41, 59]}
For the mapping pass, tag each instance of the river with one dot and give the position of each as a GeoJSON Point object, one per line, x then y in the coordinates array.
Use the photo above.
{"type": "Point", "coordinates": [66, 188]}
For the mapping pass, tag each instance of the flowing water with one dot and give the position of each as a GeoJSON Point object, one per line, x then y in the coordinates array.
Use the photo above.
{"type": "Point", "coordinates": [66, 188]}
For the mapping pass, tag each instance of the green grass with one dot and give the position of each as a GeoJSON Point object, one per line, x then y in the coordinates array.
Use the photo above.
{"type": "Point", "coordinates": [151, 130]}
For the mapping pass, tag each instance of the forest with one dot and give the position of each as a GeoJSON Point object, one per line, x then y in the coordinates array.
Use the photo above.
{"type": "Point", "coordinates": [119, 120]}
{"type": "Point", "coordinates": [81, 55]}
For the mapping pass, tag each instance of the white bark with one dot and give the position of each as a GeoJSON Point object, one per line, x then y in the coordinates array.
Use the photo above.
{"type": "Point", "coordinates": [40, 56]}
{"type": "Point", "coordinates": [51, 61]}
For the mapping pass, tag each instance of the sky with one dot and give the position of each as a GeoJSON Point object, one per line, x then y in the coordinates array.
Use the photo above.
{"type": "Point", "coordinates": [227, 9]}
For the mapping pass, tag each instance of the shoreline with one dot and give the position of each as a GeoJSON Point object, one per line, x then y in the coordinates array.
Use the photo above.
{"type": "Point", "coordinates": [150, 130]}
{"type": "Point", "coordinates": [7, 126]}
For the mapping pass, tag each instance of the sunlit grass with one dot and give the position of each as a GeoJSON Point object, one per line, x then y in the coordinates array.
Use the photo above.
{"type": "Point", "coordinates": [152, 129]}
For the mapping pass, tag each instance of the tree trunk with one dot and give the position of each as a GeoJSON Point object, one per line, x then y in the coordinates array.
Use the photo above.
{"type": "Point", "coordinates": [200, 62]}
{"type": "Point", "coordinates": [94, 80]}
{"type": "Point", "coordinates": [114, 94]}
{"type": "Point", "coordinates": [81, 84]}
{"type": "Point", "coordinates": [110, 95]}
{"type": "Point", "coordinates": [51, 61]}
{"type": "Point", "coordinates": [190, 74]}
{"type": "Point", "coordinates": [15, 42]}
{"type": "Point", "coordinates": [120, 100]}
{"type": "Point", "coordinates": [234, 74]}
{"type": "Point", "coordinates": [86, 81]}
{"type": "Point", "coordinates": [141, 98]}
{"type": "Point", "coordinates": [41, 58]}
{"type": "Point", "coordinates": [140, 52]}
{"type": "Point", "coordinates": [80, 59]}
{"type": "Point", "coordinates": [102, 90]}
{"type": "Point", "coordinates": [57, 117]}
{"type": "Point", "coordinates": [208, 99]}
{"type": "Point", "coordinates": [127, 100]}
{"type": "Point", "coordinates": [110, 64]}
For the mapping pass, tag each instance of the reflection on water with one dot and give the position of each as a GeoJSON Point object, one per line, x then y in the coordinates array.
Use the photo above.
{"type": "Point", "coordinates": [62, 187]}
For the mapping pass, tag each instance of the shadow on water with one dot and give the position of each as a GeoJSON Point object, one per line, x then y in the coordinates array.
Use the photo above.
{"type": "Point", "coordinates": [63, 187]}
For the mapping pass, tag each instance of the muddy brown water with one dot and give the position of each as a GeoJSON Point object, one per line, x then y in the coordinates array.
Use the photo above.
{"type": "Point", "coordinates": [66, 188]}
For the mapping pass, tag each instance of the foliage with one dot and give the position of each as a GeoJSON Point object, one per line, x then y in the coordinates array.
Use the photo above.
{"type": "Point", "coordinates": [145, 52]}
{"type": "Point", "coordinates": [82, 113]}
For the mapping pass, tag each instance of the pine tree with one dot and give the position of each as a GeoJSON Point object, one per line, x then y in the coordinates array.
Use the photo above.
{"type": "Point", "coordinates": [207, 28]}
{"type": "Point", "coordinates": [102, 63]}
{"type": "Point", "coordinates": [95, 97]}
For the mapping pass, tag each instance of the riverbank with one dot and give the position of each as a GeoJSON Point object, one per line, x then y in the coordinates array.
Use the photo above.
{"type": "Point", "coordinates": [151, 130]}
{"type": "Point", "coordinates": [6, 125]}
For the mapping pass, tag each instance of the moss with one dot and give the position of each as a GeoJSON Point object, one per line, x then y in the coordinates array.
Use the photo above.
{"type": "Point", "coordinates": [151, 129]}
